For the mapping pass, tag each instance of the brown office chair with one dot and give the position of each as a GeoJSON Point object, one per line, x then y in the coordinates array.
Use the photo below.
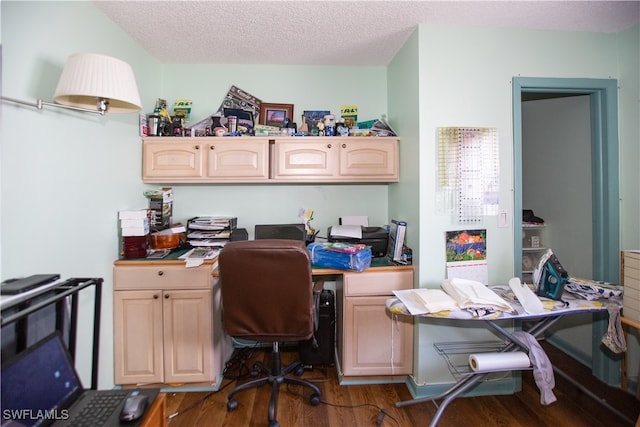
{"type": "Point", "coordinates": [267, 295]}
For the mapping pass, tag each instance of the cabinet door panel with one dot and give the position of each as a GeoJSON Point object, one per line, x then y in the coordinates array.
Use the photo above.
{"type": "Point", "coordinates": [138, 337]}
{"type": "Point", "coordinates": [175, 160]}
{"type": "Point", "coordinates": [188, 336]}
{"type": "Point", "coordinates": [375, 342]}
{"type": "Point", "coordinates": [306, 159]}
{"type": "Point", "coordinates": [229, 159]}
{"type": "Point", "coordinates": [369, 158]}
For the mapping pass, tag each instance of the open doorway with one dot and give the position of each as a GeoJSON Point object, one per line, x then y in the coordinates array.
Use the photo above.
{"type": "Point", "coordinates": [603, 175]}
{"type": "Point", "coordinates": [557, 181]}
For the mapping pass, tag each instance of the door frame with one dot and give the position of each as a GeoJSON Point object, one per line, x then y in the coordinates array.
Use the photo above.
{"type": "Point", "coordinates": [603, 94]}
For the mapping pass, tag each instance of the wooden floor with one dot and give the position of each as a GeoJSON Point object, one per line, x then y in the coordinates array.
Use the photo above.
{"type": "Point", "coordinates": [362, 405]}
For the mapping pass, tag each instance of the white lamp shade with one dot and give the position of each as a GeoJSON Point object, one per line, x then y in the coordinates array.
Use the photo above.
{"type": "Point", "coordinates": [88, 77]}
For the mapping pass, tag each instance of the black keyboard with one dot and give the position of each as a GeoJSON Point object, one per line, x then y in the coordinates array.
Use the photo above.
{"type": "Point", "coordinates": [99, 408]}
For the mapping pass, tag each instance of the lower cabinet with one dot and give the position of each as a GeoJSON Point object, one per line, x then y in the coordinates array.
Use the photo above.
{"type": "Point", "coordinates": [370, 341]}
{"type": "Point", "coordinates": [169, 333]}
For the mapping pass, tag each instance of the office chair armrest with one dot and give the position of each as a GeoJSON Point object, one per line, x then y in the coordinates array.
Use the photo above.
{"type": "Point", "coordinates": [318, 286]}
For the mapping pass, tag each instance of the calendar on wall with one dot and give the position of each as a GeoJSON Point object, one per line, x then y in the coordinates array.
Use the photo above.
{"type": "Point", "coordinates": [468, 173]}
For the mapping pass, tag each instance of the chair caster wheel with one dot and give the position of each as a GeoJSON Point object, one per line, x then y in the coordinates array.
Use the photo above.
{"type": "Point", "coordinates": [299, 371]}
{"type": "Point", "coordinates": [315, 399]}
{"type": "Point", "coordinates": [232, 404]}
{"type": "Point", "coordinates": [274, 423]}
{"type": "Point", "coordinates": [255, 371]}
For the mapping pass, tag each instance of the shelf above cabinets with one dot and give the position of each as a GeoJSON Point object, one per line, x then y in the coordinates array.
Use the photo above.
{"type": "Point", "coordinates": [272, 160]}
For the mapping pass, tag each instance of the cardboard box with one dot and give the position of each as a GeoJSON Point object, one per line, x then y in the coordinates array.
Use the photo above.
{"type": "Point", "coordinates": [134, 214]}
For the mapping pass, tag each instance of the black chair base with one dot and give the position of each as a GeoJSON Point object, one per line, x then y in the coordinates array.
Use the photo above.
{"type": "Point", "coordinates": [275, 376]}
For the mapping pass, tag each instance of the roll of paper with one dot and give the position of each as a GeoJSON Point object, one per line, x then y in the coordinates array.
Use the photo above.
{"type": "Point", "coordinates": [499, 361]}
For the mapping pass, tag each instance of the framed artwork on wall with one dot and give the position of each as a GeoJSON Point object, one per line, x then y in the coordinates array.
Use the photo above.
{"type": "Point", "coordinates": [275, 114]}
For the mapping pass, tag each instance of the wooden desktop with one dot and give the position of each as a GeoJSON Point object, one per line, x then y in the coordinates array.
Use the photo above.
{"type": "Point", "coordinates": [156, 415]}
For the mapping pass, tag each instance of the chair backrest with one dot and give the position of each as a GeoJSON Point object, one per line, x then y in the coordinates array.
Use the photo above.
{"type": "Point", "coordinates": [266, 289]}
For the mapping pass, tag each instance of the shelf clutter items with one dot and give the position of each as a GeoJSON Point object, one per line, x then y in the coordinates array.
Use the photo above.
{"type": "Point", "coordinates": [243, 114]}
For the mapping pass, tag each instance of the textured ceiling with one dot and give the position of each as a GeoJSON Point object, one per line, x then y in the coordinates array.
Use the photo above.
{"type": "Point", "coordinates": [334, 32]}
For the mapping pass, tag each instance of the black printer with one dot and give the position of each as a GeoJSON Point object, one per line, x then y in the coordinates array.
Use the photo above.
{"type": "Point", "coordinates": [375, 237]}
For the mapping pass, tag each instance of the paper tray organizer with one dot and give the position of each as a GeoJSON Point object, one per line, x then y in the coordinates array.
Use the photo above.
{"type": "Point", "coordinates": [456, 354]}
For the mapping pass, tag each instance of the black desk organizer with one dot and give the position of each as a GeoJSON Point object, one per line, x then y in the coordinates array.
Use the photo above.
{"type": "Point", "coordinates": [16, 313]}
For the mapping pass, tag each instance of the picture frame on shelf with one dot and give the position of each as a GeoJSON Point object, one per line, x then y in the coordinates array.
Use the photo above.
{"type": "Point", "coordinates": [275, 114]}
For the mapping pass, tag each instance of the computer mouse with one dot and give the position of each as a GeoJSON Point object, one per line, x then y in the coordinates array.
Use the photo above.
{"type": "Point", "coordinates": [133, 408]}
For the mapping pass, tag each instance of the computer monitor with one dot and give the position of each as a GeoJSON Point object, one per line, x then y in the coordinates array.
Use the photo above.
{"type": "Point", "coordinates": [280, 231]}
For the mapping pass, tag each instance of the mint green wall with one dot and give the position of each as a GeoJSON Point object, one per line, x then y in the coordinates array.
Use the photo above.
{"type": "Point", "coordinates": [465, 80]}
{"type": "Point", "coordinates": [306, 87]}
{"type": "Point", "coordinates": [65, 175]}
{"type": "Point", "coordinates": [629, 119]}
{"type": "Point", "coordinates": [404, 113]}
{"type": "Point", "coordinates": [628, 49]}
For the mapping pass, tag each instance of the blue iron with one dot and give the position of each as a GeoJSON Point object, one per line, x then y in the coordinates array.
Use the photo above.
{"type": "Point", "coordinates": [550, 277]}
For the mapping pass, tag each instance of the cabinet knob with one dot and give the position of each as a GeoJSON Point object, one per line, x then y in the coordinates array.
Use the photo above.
{"type": "Point", "coordinates": [213, 147]}
{"type": "Point", "coordinates": [328, 145]}
{"type": "Point", "coordinates": [166, 296]}
{"type": "Point", "coordinates": [160, 273]}
{"type": "Point", "coordinates": [344, 145]}
{"type": "Point", "coordinates": [155, 296]}
{"type": "Point", "coordinates": [197, 147]}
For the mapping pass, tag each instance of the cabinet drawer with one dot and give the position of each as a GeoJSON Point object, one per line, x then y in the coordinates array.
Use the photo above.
{"type": "Point", "coordinates": [161, 277]}
{"type": "Point", "coordinates": [377, 283]}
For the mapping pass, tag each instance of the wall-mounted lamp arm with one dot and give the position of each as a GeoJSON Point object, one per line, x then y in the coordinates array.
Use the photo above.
{"type": "Point", "coordinates": [101, 105]}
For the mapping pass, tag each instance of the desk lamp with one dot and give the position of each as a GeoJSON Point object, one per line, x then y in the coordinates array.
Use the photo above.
{"type": "Point", "coordinates": [93, 83]}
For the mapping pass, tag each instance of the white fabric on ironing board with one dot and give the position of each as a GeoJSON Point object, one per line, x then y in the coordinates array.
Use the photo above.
{"type": "Point", "coordinates": [470, 294]}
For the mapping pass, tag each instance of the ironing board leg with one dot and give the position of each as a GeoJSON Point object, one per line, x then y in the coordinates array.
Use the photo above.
{"type": "Point", "coordinates": [452, 393]}
{"type": "Point", "coordinates": [452, 396]}
{"type": "Point", "coordinates": [466, 383]}
{"type": "Point", "coordinates": [453, 389]}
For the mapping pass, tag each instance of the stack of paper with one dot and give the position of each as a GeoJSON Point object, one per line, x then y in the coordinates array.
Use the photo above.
{"type": "Point", "coordinates": [210, 230]}
{"type": "Point", "coordinates": [382, 128]}
{"type": "Point", "coordinates": [423, 301]}
{"type": "Point", "coordinates": [473, 295]}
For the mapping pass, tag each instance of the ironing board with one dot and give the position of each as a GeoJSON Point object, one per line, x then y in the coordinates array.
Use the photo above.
{"type": "Point", "coordinates": [539, 323]}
